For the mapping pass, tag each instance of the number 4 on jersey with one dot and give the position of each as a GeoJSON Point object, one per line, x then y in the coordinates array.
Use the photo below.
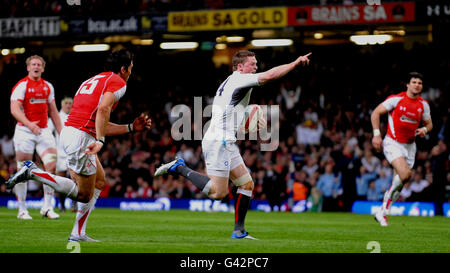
{"type": "Point", "coordinates": [88, 86]}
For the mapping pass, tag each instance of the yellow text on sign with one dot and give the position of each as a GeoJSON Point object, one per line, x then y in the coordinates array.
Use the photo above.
{"type": "Point", "coordinates": [227, 19]}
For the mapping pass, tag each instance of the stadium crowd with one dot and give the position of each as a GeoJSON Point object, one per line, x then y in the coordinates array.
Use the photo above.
{"type": "Point", "coordinates": [324, 153]}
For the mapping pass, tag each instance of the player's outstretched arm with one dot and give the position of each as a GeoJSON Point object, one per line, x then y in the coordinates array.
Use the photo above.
{"type": "Point", "coordinates": [375, 119]}
{"type": "Point", "coordinates": [139, 124]}
{"type": "Point", "coordinates": [281, 70]}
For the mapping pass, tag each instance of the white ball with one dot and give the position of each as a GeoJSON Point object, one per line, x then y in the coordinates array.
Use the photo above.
{"type": "Point", "coordinates": [252, 114]}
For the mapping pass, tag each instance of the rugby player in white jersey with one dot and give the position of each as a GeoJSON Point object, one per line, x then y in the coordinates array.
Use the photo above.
{"type": "Point", "coordinates": [223, 160]}
{"type": "Point", "coordinates": [61, 166]}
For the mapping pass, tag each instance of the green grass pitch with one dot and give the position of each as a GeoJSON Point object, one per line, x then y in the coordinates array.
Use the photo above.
{"type": "Point", "coordinates": [182, 231]}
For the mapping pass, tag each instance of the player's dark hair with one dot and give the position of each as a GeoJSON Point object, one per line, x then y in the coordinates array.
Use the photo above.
{"type": "Point", "coordinates": [240, 57]}
{"type": "Point", "coordinates": [117, 59]}
{"type": "Point", "coordinates": [416, 75]}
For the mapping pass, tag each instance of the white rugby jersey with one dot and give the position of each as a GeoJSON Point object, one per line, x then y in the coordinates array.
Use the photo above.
{"type": "Point", "coordinates": [63, 116]}
{"type": "Point", "coordinates": [229, 104]}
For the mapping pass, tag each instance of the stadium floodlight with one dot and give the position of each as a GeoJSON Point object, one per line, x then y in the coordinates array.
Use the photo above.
{"type": "Point", "coordinates": [142, 42]}
{"type": "Point", "coordinates": [5, 51]}
{"type": "Point", "coordinates": [234, 39]}
{"type": "Point", "coordinates": [18, 50]}
{"type": "Point", "coordinates": [221, 46]}
{"type": "Point", "coordinates": [91, 47]}
{"type": "Point", "coordinates": [318, 35]}
{"type": "Point", "coordinates": [179, 45]}
{"type": "Point", "coordinates": [370, 39]}
{"type": "Point", "coordinates": [272, 42]}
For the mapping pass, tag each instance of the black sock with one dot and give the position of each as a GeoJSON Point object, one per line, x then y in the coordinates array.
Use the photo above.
{"type": "Point", "coordinates": [241, 206]}
{"type": "Point", "coordinates": [199, 180]}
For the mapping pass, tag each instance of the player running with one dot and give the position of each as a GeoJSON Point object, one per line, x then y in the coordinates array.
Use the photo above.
{"type": "Point", "coordinates": [32, 101]}
{"type": "Point", "coordinates": [406, 110]}
{"type": "Point", "coordinates": [84, 135]}
{"type": "Point", "coordinates": [223, 160]}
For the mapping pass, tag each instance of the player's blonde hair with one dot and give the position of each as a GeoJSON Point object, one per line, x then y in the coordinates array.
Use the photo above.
{"type": "Point", "coordinates": [28, 61]}
{"type": "Point", "coordinates": [240, 57]}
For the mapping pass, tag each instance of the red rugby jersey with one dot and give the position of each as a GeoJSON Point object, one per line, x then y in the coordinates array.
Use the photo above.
{"type": "Point", "coordinates": [88, 98]}
{"type": "Point", "coordinates": [35, 97]}
{"type": "Point", "coordinates": [405, 115]}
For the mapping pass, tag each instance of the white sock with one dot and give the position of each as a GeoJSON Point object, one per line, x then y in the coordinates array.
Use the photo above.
{"type": "Point", "coordinates": [48, 197]}
{"type": "Point", "coordinates": [207, 187]}
{"type": "Point", "coordinates": [244, 192]}
{"type": "Point", "coordinates": [21, 194]}
{"type": "Point", "coordinates": [84, 210]}
{"type": "Point", "coordinates": [58, 183]}
{"type": "Point", "coordinates": [392, 194]}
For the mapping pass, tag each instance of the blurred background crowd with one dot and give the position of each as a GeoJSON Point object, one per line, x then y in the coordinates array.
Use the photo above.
{"type": "Point", "coordinates": [324, 154]}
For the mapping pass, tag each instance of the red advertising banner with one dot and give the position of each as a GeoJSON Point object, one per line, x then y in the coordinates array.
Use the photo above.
{"type": "Point", "coordinates": [351, 14]}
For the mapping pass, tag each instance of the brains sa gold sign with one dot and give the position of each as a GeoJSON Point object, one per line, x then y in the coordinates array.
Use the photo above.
{"type": "Point", "coordinates": [227, 19]}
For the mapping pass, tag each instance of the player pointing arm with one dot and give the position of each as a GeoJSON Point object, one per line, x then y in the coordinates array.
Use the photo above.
{"type": "Point", "coordinates": [281, 70]}
{"type": "Point", "coordinates": [222, 156]}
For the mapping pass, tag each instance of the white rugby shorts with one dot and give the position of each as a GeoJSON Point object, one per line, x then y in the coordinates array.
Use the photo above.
{"type": "Point", "coordinates": [26, 142]}
{"type": "Point", "coordinates": [61, 164]}
{"type": "Point", "coordinates": [393, 149]}
{"type": "Point", "coordinates": [74, 143]}
{"type": "Point", "coordinates": [221, 157]}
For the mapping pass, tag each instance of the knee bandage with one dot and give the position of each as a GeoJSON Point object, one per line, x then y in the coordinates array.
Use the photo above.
{"type": "Point", "coordinates": [49, 158]}
{"type": "Point", "coordinates": [244, 179]}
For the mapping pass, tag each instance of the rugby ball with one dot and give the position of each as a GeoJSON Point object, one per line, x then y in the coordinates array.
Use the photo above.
{"type": "Point", "coordinates": [252, 114]}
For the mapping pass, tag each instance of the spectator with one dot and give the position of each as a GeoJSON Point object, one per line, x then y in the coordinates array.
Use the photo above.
{"type": "Point", "coordinates": [316, 200]}
{"type": "Point", "coordinates": [300, 188]}
{"type": "Point", "coordinates": [311, 115]}
{"type": "Point", "coordinates": [362, 183]}
{"type": "Point", "coordinates": [311, 166]}
{"type": "Point", "coordinates": [117, 190]}
{"type": "Point", "coordinates": [386, 169]}
{"type": "Point", "coordinates": [330, 186]}
{"type": "Point", "coordinates": [7, 146]}
{"type": "Point", "coordinates": [405, 192]}
{"type": "Point", "coordinates": [348, 164]}
{"type": "Point", "coordinates": [144, 190]}
{"type": "Point", "coordinates": [309, 133]}
{"type": "Point", "coordinates": [370, 162]}
{"type": "Point", "coordinates": [274, 188]}
{"type": "Point", "coordinates": [290, 96]}
{"type": "Point", "coordinates": [3, 191]}
{"type": "Point", "coordinates": [418, 185]}
{"type": "Point", "coordinates": [382, 184]}
{"type": "Point", "coordinates": [180, 190]}
{"type": "Point", "coordinates": [372, 193]}
{"type": "Point", "coordinates": [130, 192]}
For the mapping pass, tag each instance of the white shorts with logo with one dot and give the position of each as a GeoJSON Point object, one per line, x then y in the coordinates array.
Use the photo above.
{"type": "Point", "coordinates": [393, 149]}
{"type": "Point", "coordinates": [74, 142]}
{"type": "Point", "coordinates": [27, 142]}
{"type": "Point", "coordinates": [221, 157]}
